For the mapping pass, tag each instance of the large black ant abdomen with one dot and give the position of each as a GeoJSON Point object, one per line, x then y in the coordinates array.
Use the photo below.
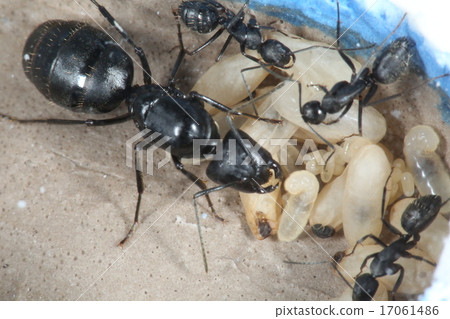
{"type": "Point", "coordinates": [77, 66]}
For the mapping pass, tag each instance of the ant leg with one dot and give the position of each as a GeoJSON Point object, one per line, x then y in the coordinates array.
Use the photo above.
{"type": "Point", "coordinates": [406, 91]}
{"type": "Point", "coordinates": [346, 109]}
{"type": "Point", "coordinates": [138, 50]}
{"type": "Point", "coordinates": [319, 86]}
{"type": "Point", "coordinates": [239, 138]}
{"type": "Point", "coordinates": [251, 57]}
{"type": "Point", "coordinates": [266, 68]}
{"type": "Point", "coordinates": [335, 263]}
{"type": "Point", "coordinates": [311, 128]}
{"type": "Point", "coordinates": [365, 262]}
{"type": "Point", "coordinates": [226, 109]}
{"type": "Point", "coordinates": [338, 36]}
{"type": "Point", "coordinates": [362, 239]}
{"type": "Point", "coordinates": [383, 203]}
{"type": "Point", "coordinates": [197, 181]}
{"type": "Point", "coordinates": [224, 47]}
{"type": "Point", "coordinates": [326, 142]}
{"type": "Point", "coordinates": [180, 55]}
{"type": "Point", "coordinates": [230, 24]}
{"type": "Point", "coordinates": [238, 15]}
{"type": "Point", "coordinates": [140, 188]}
{"type": "Point", "coordinates": [396, 269]}
{"type": "Point", "coordinates": [419, 258]}
{"type": "Point", "coordinates": [247, 87]}
{"type": "Point", "coordinates": [341, 275]}
{"type": "Point", "coordinates": [205, 192]}
{"type": "Point", "coordinates": [204, 45]}
{"type": "Point", "coordinates": [274, 89]}
{"type": "Point", "coordinates": [363, 102]}
{"type": "Point", "coordinates": [360, 110]}
{"type": "Point", "coordinates": [330, 47]}
{"type": "Point", "coordinates": [183, 50]}
{"type": "Point", "coordinates": [253, 100]}
{"type": "Point", "coordinates": [88, 122]}
{"type": "Point", "coordinates": [373, 89]}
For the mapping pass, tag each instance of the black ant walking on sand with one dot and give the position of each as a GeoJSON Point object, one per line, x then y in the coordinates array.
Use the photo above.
{"type": "Point", "coordinates": [78, 67]}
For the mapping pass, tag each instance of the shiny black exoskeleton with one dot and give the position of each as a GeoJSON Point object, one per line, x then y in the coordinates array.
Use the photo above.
{"type": "Point", "coordinates": [241, 163]}
{"type": "Point", "coordinates": [389, 65]}
{"type": "Point", "coordinates": [153, 107]}
{"type": "Point", "coordinates": [387, 68]}
{"type": "Point", "coordinates": [417, 217]}
{"type": "Point", "coordinates": [77, 66]}
{"type": "Point", "coordinates": [81, 68]}
{"type": "Point", "coordinates": [383, 264]}
{"type": "Point", "coordinates": [421, 213]}
{"type": "Point", "coordinates": [205, 15]}
{"type": "Point", "coordinates": [246, 172]}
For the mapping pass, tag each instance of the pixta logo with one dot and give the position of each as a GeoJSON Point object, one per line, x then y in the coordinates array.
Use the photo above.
{"type": "Point", "coordinates": [142, 146]}
{"type": "Point", "coordinates": [140, 151]}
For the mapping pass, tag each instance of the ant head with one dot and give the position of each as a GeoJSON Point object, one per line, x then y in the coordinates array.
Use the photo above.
{"type": "Point", "coordinates": [245, 163]}
{"type": "Point", "coordinates": [365, 287]}
{"type": "Point", "coordinates": [275, 53]}
{"type": "Point", "coordinates": [421, 213]}
{"type": "Point", "coordinates": [312, 112]}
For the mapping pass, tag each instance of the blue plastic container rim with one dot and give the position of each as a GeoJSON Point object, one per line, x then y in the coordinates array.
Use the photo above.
{"type": "Point", "coordinates": [370, 21]}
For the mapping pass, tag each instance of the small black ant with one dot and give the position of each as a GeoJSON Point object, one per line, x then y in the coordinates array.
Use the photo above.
{"type": "Point", "coordinates": [417, 216]}
{"type": "Point", "coordinates": [78, 67]}
{"type": "Point", "coordinates": [204, 16]}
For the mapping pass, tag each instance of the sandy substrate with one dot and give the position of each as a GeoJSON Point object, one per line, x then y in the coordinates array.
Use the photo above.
{"type": "Point", "coordinates": [79, 195]}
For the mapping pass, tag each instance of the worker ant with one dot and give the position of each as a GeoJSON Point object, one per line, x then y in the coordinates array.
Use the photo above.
{"type": "Point", "coordinates": [78, 67]}
{"type": "Point", "coordinates": [241, 164]}
{"type": "Point", "coordinates": [387, 67]}
{"type": "Point", "coordinates": [205, 15]}
{"type": "Point", "coordinates": [417, 216]}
